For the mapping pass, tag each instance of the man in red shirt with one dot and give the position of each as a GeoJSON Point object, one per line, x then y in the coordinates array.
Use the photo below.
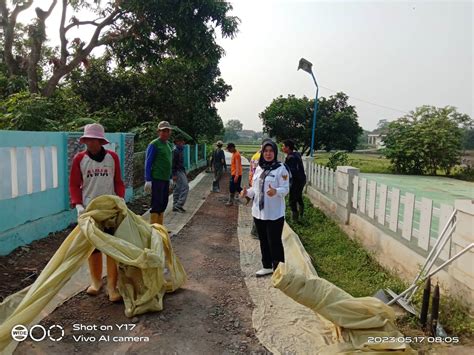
{"type": "Point", "coordinates": [96, 172]}
{"type": "Point", "coordinates": [236, 173]}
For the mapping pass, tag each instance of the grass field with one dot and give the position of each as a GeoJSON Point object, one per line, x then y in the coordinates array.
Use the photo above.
{"type": "Point", "coordinates": [247, 150]}
{"type": "Point", "coordinates": [367, 163]}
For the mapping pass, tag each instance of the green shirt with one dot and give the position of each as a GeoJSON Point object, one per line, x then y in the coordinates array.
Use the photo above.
{"type": "Point", "coordinates": [162, 160]}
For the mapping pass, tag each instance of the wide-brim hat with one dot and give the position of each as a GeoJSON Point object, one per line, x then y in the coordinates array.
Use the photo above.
{"type": "Point", "coordinates": [95, 131]}
{"type": "Point", "coordinates": [219, 143]}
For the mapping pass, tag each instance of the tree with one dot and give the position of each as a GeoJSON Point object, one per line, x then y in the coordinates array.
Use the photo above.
{"type": "Point", "coordinates": [337, 124]}
{"type": "Point", "coordinates": [468, 141]}
{"type": "Point", "coordinates": [288, 118]}
{"type": "Point", "coordinates": [181, 91]}
{"type": "Point", "coordinates": [425, 140]}
{"type": "Point", "coordinates": [382, 126]}
{"type": "Point", "coordinates": [137, 32]}
{"type": "Point", "coordinates": [291, 118]}
{"type": "Point", "coordinates": [236, 125]}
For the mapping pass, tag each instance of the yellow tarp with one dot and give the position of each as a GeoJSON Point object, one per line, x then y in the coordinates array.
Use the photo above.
{"type": "Point", "coordinates": [141, 250]}
{"type": "Point", "coordinates": [366, 323]}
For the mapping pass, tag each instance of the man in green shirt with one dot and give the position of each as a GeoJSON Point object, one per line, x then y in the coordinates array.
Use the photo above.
{"type": "Point", "coordinates": [158, 163]}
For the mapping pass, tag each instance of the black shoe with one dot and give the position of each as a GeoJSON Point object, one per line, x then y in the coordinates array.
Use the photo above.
{"type": "Point", "coordinates": [181, 209]}
{"type": "Point", "coordinates": [176, 209]}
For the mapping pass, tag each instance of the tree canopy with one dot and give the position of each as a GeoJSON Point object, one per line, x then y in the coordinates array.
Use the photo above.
{"type": "Point", "coordinates": [425, 140]}
{"type": "Point", "coordinates": [291, 118]}
{"type": "Point", "coordinates": [160, 63]}
{"type": "Point", "coordinates": [137, 32]}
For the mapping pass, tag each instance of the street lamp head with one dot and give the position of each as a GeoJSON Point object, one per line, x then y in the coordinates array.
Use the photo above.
{"type": "Point", "coordinates": [305, 65]}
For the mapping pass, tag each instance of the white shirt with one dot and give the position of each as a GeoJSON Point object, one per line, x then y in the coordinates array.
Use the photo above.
{"type": "Point", "coordinates": [274, 207]}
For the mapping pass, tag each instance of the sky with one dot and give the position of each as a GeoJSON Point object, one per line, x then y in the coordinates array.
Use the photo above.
{"type": "Point", "coordinates": [388, 56]}
{"type": "Point", "coordinates": [392, 55]}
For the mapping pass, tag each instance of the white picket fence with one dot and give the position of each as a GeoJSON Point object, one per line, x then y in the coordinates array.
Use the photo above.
{"type": "Point", "coordinates": [322, 178]}
{"type": "Point", "coordinates": [416, 221]}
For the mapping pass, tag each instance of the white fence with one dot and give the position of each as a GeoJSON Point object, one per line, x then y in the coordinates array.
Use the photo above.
{"type": "Point", "coordinates": [417, 221]}
{"type": "Point", "coordinates": [322, 178]}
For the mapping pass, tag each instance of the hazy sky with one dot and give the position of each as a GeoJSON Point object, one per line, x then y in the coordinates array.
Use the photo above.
{"type": "Point", "coordinates": [399, 54]}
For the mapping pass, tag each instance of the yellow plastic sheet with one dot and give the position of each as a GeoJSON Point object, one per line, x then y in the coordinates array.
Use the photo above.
{"type": "Point", "coordinates": [362, 320]}
{"type": "Point", "coordinates": [141, 250]}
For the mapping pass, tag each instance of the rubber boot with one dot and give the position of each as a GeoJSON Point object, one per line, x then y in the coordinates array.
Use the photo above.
{"type": "Point", "coordinates": [112, 274]}
{"type": "Point", "coordinates": [95, 269]}
{"type": "Point", "coordinates": [230, 202]}
{"type": "Point", "coordinates": [154, 218]}
{"type": "Point", "coordinates": [160, 218]}
{"type": "Point", "coordinates": [214, 186]}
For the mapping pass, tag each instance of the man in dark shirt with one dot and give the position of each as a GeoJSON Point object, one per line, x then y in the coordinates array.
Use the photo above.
{"type": "Point", "coordinates": [181, 188]}
{"type": "Point", "coordinates": [295, 164]}
{"type": "Point", "coordinates": [218, 164]}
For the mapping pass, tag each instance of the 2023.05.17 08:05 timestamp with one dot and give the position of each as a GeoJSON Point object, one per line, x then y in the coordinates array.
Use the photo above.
{"type": "Point", "coordinates": [409, 340]}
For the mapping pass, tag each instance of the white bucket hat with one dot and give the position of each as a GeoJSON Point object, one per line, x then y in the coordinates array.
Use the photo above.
{"type": "Point", "coordinates": [94, 130]}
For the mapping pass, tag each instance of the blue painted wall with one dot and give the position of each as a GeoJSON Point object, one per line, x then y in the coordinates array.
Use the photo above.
{"type": "Point", "coordinates": [30, 216]}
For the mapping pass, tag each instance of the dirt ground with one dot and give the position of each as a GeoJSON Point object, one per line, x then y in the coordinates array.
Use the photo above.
{"type": "Point", "coordinates": [211, 315]}
{"type": "Point", "coordinates": [22, 266]}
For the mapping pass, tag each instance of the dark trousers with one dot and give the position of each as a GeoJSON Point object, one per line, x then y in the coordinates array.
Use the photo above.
{"type": "Point", "coordinates": [296, 196]}
{"type": "Point", "coordinates": [235, 187]}
{"type": "Point", "coordinates": [271, 245]}
{"type": "Point", "coordinates": [159, 195]}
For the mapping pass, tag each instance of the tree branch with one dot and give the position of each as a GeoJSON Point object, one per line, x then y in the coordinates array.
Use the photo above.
{"type": "Point", "coordinates": [62, 34]}
{"type": "Point", "coordinates": [79, 23]}
{"type": "Point", "coordinates": [80, 54]}
{"type": "Point", "coordinates": [9, 23]}
{"type": "Point", "coordinates": [38, 36]}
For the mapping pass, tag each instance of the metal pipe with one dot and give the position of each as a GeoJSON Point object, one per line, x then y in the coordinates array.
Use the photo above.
{"type": "Point", "coordinates": [447, 262]}
{"type": "Point", "coordinates": [432, 261]}
{"type": "Point", "coordinates": [314, 115]}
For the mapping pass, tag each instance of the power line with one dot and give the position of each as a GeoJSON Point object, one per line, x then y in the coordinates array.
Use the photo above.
{"type": "Point", "coordinates": [367, 102]}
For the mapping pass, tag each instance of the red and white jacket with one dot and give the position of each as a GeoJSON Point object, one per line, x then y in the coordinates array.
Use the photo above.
{"type": "Point", "coordinates": [90, 178]}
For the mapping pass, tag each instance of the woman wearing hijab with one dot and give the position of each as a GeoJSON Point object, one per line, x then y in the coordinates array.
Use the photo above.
{"type": "Point", "coordinates": [270, 185]}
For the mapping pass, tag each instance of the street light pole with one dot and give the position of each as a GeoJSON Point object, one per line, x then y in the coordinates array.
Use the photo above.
{"type": "Point", "coordinates": [307, 67]}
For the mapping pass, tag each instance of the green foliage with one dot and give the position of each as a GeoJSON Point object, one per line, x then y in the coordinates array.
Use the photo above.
{"type": "Point", "coordinates": [337, 125]}
{"type": "Point", "coordinates": [339, 259]}
{"type": "Point", "coordinates": [468, 139]}
{"type": "Point", "coordinates": [426, 140]}
{"type": "Point", "coordinates": [182, 92]}
{"type": "Point", "coordinates": [291, 118]}
{"type": "Point", "coordinates": [337, 159]}
{"type": "Point", "coordinates": [236, 125]}
{"type": "Point", "coordinates": [367, 163]}
{"type": "Point", "coordinates": [31, 112]}
{"type": "Point", "coordinates": [463, 173]}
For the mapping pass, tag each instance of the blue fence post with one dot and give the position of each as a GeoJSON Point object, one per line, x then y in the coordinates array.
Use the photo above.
{"type": "Point", "coordinates": [196, 154]}
{"type": "Point", "coordinates": [187, 163]}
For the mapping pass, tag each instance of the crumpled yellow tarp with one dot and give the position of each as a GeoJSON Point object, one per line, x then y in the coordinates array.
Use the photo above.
{"type": "Point", "coordinates": [141, 250]}
{"type": "Point", "coordinates": [359, 318]}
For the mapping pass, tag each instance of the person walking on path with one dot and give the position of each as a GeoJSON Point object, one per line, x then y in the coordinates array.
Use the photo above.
{"type": "Point", "coordinates": [218, 165]}
{"type": "Point", "coordinates": [270, 185]}
{"type": "Point", "coordinates": [96, 172]}
{"type": "Point", "coordinates": [180, 181]}
{"type": "Point", "coordinates": [295, 164]}
{"type": "Point", "coordinates": [253, 166]}
{"type": "Point", "coordinates": [235, 172]}
{"type": "Point", "coordinates": [158, 163]}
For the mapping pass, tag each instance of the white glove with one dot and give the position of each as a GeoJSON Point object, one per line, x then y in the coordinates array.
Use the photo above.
{"type": "Point", "coordinates": [79, 209]}
{"type": "Point", "coordinates": [147, 187]}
